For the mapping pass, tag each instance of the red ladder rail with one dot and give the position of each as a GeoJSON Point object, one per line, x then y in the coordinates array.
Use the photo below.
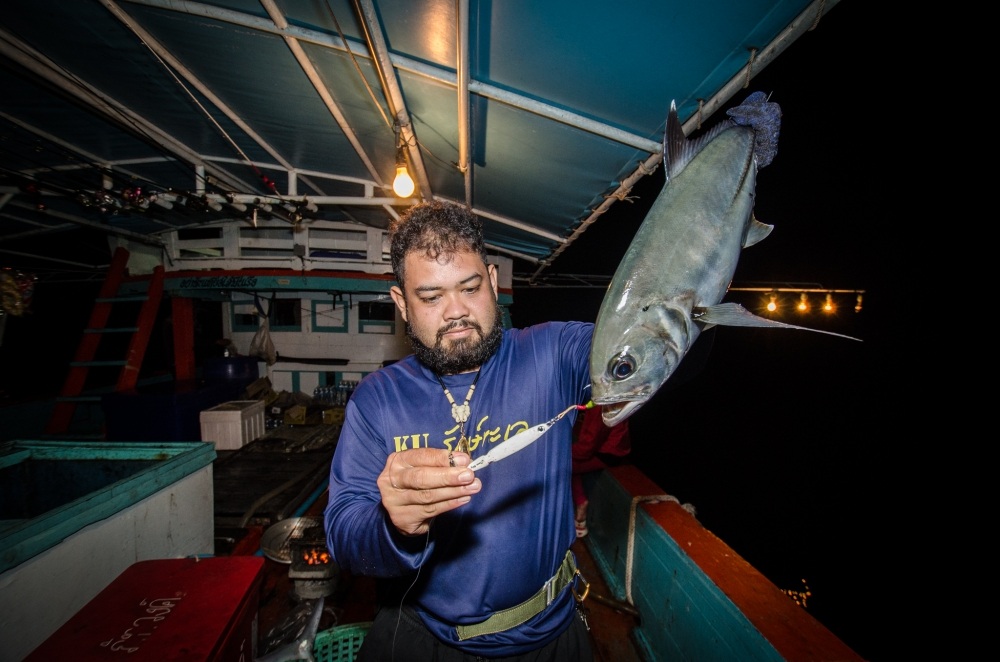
{"type": "Point", "coordinates": [75, 389]}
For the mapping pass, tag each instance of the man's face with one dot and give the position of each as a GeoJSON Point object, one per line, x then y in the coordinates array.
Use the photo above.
{"type": "Point", "coordinates": [451, 311]}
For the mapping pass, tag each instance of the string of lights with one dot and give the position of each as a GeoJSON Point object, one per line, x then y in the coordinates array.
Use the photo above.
{"type": "Point", "coordinates": [775, 299]}
{"type": "Point", "coordinates": [800, 298]}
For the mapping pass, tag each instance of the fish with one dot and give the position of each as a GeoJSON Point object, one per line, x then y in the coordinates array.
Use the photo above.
{"type": "Point", "coordinates": [670, 283]}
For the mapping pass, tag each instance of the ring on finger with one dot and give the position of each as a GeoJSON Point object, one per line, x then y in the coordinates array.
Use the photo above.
{"type": "Point", "coordinates": [391, 480]}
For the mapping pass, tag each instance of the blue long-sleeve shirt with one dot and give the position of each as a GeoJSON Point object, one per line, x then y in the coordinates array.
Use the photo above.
{"type": "Point", "coordinates": [498, 550]}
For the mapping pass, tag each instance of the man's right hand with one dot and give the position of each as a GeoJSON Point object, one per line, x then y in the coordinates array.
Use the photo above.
{"type": "Point", "coordinates": [419, 484]}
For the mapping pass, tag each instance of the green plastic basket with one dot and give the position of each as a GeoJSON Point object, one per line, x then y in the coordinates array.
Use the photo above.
{"type": "Point", "coordinates": [340, 643]}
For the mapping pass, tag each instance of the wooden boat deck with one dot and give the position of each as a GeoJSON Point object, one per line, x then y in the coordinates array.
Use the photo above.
{"type": "Point", "coordinates": [276, 477]}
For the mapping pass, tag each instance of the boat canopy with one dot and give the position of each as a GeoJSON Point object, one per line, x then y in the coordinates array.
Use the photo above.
{"type": "Point", "coordinates": [137, 118]}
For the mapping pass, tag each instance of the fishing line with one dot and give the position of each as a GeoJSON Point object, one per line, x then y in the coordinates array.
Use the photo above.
{"type": "Point", "coordinates": [124, 18]}
{"type": "Point", "coordinates": [402, 600]}
{"type": "Point", "coordinates": [371, 93]}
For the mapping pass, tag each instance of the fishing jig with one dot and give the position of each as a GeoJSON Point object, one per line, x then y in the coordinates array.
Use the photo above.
{"type": "Point", "coordinates": [522, 440]}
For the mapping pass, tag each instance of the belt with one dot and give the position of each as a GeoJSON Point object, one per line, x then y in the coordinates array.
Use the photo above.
{"type": "Point", "coordinates": [508, 618]}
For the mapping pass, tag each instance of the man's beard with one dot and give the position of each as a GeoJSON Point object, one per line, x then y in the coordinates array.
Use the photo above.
{"type": "Point", "coordinates": [467, 354]}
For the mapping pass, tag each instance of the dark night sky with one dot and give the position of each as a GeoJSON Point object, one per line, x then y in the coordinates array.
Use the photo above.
{"type": "Point", "coordinates": [777, 437]}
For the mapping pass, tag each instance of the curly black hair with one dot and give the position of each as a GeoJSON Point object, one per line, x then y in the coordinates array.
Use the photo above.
{"type": "Point", "coordinates": [436, 228]}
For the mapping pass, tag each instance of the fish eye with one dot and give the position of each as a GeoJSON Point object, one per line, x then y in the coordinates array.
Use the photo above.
{"type": "Point", "coordinates": [621, 367]}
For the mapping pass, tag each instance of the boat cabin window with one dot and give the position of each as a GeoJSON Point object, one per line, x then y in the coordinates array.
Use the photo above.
{"type": "Point", "coordinates": [284, 315]}
{"type": "Point", "coordinates": [330, 316]}
{"type": "Point", "coordinates": [377, 317]}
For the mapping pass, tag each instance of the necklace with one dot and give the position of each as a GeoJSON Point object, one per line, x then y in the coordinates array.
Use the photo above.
{"type": "Point", "coordinates": [461, 412]}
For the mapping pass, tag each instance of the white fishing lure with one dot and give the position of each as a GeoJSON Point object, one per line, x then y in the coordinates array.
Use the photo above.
{"type": "Point", "coordinates": [520, 441]}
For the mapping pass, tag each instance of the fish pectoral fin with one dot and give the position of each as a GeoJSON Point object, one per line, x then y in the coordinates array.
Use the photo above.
{"type": "Point", "coordinates": [733, 314]}
{"type": "Point", "coordinates": [756, 232]}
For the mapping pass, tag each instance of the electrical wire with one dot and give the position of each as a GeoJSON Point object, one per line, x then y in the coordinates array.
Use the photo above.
{"type": "Point", "coordinates": [357, 66]}
{"type": "Point", "coordinates": [268, 183]}
{"type": "Point", "coordinates": [393, 124]}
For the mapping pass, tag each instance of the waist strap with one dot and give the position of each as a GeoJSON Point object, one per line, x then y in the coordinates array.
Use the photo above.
{"type": "Point", "coordinates": [508, 618]}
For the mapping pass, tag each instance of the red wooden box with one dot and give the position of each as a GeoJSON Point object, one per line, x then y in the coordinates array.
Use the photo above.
{"type": "Point", "coordinates": [170, 609]}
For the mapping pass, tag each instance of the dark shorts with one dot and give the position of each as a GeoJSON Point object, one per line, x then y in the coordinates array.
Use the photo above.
{"type": "Point", "coordinates": [399, 636]}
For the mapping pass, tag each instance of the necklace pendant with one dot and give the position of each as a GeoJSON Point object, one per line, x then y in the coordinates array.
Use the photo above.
{"type": "Point", "coordinates": [463, 443]}
{"type": "Point", "coordinates": [460, 412]}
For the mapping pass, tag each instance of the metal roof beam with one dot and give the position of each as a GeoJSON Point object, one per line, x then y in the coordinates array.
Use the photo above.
{"type": "Point", "coordinates": [92, 159]}
{"type": "Point", "coordinates": [349, 200]}
{"type": "Point", "coordinates": [103, 227]}
{"type": "Point", "coordinates": [394, 96]}
{"type": "Point", "coordinates": [524, 227]}
{"type": "Point", "coordinates": [804, 22]}
{"type": "Point", "coordinates": [462, 76]}
{"type": "Point", "coordinates": [54, 259]}
{"type": "Point", "coordinates": [310, 71]}
{"type": "Point", "coordinates": [413, 66]}
{"type": "Point", "coordinates": [40, 228]}
{"type": "Point", "coordinates": [103, 104]}
{"type": "Point", "coordinates": [645, 168]}
{"type": "Point", "coordinates": [164, 54]}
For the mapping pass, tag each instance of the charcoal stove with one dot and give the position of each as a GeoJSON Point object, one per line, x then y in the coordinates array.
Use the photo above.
{"type": "Point", "coordinates": [313, 572]}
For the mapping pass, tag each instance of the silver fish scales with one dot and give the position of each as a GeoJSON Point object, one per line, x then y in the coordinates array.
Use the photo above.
{"type": "Point", "coordinates": [669, 285]}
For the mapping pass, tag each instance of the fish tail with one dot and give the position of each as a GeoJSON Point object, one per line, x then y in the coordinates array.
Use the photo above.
{"type": "Point", "coordinates": [764, 117]}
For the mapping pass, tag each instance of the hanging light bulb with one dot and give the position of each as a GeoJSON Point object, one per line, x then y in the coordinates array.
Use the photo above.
{"type": "Point", "coordinates": [857, 306]}
{"type": "Point", "coordinates": [803, 303]}
{"type": "Point", "coordinates": [828, 305]}
{"type": "Point", "coordinates": [772, 305]}
{"type": "Point", "coordinates": [402, 185]}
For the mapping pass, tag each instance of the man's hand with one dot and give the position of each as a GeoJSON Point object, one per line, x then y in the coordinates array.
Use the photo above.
{"type": "Point", "coordinates": [419, 484]}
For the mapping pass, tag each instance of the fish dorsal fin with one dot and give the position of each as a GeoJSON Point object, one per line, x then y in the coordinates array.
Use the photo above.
{"type": "Point", "coordinates": [677, 149]}
{"type": "Point", "coordinates": [756, 231]}
{"type": "Point", "coordinates": [733, 314]}
{"type": "Point", "coordinates": [674, 142]}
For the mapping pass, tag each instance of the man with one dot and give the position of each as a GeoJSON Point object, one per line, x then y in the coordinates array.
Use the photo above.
{"type": "Point", "coordinates": [473, 564]}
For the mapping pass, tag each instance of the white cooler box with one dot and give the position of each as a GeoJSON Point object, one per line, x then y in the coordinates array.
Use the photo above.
{"type": "Point", "coordinates": [231, 425]}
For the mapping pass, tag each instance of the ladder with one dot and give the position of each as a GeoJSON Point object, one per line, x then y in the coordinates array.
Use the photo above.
{"type": "Point", "coordinates": [93, 372]}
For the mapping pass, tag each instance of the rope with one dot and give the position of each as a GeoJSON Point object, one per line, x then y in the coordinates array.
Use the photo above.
{"type": "Point", "coordinates": [646, 171]}
{"type": "Point", "coordinates": [622, 195]}
{"type": "Point", "coordinates": [819, 15]}
{"type": "Point", "coordinates": [753, 54]}
{"type": "Point", "coordinates": [652, 498]}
